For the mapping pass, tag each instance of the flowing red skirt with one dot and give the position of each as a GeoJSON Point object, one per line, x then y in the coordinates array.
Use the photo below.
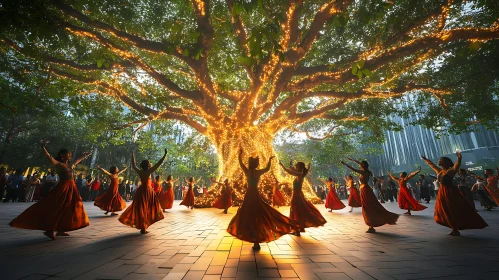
{"type": "Point", "coordinates": [60, 210]}
{"type": "Point", "coordinates": [494, 193]}
{"type": "Point", "coordinates": [144, 211]}
{"type": "Point", "coordinates": [407, 201]}
{"type": "Point", "coordinates": [278, 198]}
{"type": "Point", "coordinates": [111, 200]}
{"type": "Point", "coordinates": [333, 202]}
{"type": "Point", "coordinates": [354, 198]}
{"type": "Point", "coordinates": [224, 201]}
{"type": "Point", "coordinates": [188, 199]}
{"type": "Point", "coordinates": [305, 212]}
{"type": "Point", "coordinates": [166, 198]}
{"type": "Point", "coordinates": [375, 215]}
{"type": "Point", "coordinates": [454, 211]}
{"type": "Point", "coordinates": [258, 222]}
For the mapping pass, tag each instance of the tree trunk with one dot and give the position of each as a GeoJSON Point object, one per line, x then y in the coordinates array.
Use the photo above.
{"type": "Point", "coordinates": [254, 142]}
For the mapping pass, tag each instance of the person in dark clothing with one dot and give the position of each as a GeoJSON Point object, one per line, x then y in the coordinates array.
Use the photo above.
{"type": "Point", "coordinates": [3, 181]}
{"type": "Point", "coordinates": [79, 184]}
{"type": "Point", "coordinates": [465, 183]}
{"type": "Point", "coordinates": [14, 183]}
{"type": "Point", "coordinates": [128, 191]}
{"type": "Point", "coordinates": [424, 187]}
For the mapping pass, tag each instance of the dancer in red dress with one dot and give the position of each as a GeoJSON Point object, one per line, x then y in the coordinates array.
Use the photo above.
{"type": "Point", "coordinates": [278, 198]}
{"type": "Point", "coordinates": [156, 184]}
{"type": "Point", "coordinates": [145, 209]}
{"type": "Point", "coordinates": [302, 210]}
{"type": "Point", "coordinates": [111, 200]}
{"type": "Point", "coordinates": [354, 197]}
{"type": "Point", "coordinates": [62, 209]}
{"type": "Point", "coordinates": [188, 200]}
{"type": "Point", "coordinates": [256, 221]}
{"type": "Point", "coordinates": [166, 195]}
{"type": "Point", "coordinates": [451, 208]}
{"type": "Point", "coordinates": [333, 202]}
{"type": "Point", "coordinates": [492, 180]}
{"type": "Point", "coordinates": [406, 200]}
{"type": "Point", "coordinates": [375, 215]}
{"type": "Point", "coordinates": [224, 200]}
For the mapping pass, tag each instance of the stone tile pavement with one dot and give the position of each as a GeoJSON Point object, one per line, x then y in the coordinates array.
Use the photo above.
{"type": "Point", "coordinates": [193, 244]}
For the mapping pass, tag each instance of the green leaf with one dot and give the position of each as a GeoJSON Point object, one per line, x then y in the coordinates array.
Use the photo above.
{"type": "Point", "coordinates": [106, 64]}
{"type": "Point", "coordinates": [367, 72]}
{"type": "Point", "coordinates": [99, 63]}
{"type": "Point", "coordinates": [474, 46]}
{"type": "Point", "coordinates": [229, 61]}
{"type": "Point", "coordinates": [361, 63]}
{"type": "Point", "coordinates": [355, 69]}
{"type": "Point", "coordinates": [359, 74]}
{"type": "Point", "coordinates": [186, 52]}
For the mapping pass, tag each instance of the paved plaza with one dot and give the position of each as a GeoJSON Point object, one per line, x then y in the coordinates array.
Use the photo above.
{"type": "Point", "coordinates": [193, 244]}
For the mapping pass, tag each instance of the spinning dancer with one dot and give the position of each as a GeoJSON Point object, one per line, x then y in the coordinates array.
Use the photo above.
{"type": "Point", "coordinates": [256, 221]}
{"type": "Point", "coordinates": [492, 183]}
{"type": "Point", "coordinates": [333, 202]}
{"type": "Point", "coordinates": [451, 208]}
{"type": "Point", "coordinates": [354, 198]}
{"type": "Point", "coordinates": [224, 201]}
{"type": "Point", "coordinates": [145, 209]}
{"type": "Point", "coordinates": [188, 200]}
{"type": "Point", "coordinates": [166, 195]}
{"type": "Point", "coordinates": [62, 209]}
{"type": "Point", "coordinates": [375, 215]}
{"type": "Point", "coordinates": [302, 210]}
{"type": "Point", "coordinates": [111, 200]}
{"type": "Point", "coordinates": [278, 198]}
{"type": "Point", "coordinates": [406, 200]}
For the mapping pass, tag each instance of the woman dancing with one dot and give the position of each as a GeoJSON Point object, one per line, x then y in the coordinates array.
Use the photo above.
{"type": "Point", "coordinates": [333, 202]}
{"type": "Point", "coordinates": [256, 221]}
{"type": "Point", "coordinates": [451, 208]}
{"type": "Point", "coordinates": [492, 183]}
{"type": "Point", "coordinates": [278, 198]}
{"type": "Point", "coordinates": [302, 210]}
{"type": "Point", "coordinates": [375, 215]}
{"type": "Point", "coordinates": [62, 209]}
{"type": "Point", "coordinates": [224, 200]}
{"type": "Point", "coordinates": [111, 200]}
{"type": "Point", "coordinates": [354, 198]}
{"type": "Point", "coordinates": [145, 209]}
{"type": "Point", "coordinates": [188, 200]}
{"type": "Point", "coordinates": [166, 195]}
{"type": "Point", "coordinates": [406, 200]}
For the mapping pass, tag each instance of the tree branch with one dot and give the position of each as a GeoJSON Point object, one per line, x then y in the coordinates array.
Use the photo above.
{"type": "Point", "coordinates": [329, 134]}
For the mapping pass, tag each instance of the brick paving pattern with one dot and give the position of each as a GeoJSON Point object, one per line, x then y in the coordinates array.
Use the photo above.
{"type": "Point", "coordinates": [193, 244]}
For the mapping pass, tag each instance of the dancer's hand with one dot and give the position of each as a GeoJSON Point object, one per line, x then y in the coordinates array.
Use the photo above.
{"type": "Point", "coordinates": [166, 151]}
{"type": "Point", "coordinates": [342, 162]}
{"type": "Point", "coordinates": [459, 156]}
{"type": "Point", "coordinates": [272, 157]}
{"type": "Point", "coordinates": [424, 158]}
{"type": "Point", "coordinates": [350, 159]}
{"type": "Point", "coordinates": [44, 143]}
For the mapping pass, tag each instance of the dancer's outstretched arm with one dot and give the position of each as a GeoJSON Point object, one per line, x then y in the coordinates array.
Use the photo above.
{"type": "Point", "coordinates": [413, 174]}
{"type": "Point", "coordinates": [215, 181]}
{"type": "Point", "coordinates": [431, 164]}
{"type": "Point", "coordinates": [289, 171]}
{"type": "Point", "coordinates": [52, 160]}
{"type": "Point", "coordinates": [320, 179]}
{"type": "Point", "coordinates": [84, 156]}
{"type": "Point", "coordinates": [267, 168]}
{"type": "Point", "coordinates": [356, 161]}
{"type": "Point", "coordinates": [124, 169]}
{"type": "Point", "coordinates": [393, 177]}
{"type": "Point", "coordinates": [241, 163]}
{"type": "Point", "coordinates": [134, 163]}
{"type": "Point", "coordinates": [104, 171]}
{"type": "Point", "coordinates": [457, 164]}
{"type": "Point", "coordinates": [158, 164]}
{"type": "Point", "coordinates": [351, 168]}
{"type": "Point", "coordinates": [476, 176]}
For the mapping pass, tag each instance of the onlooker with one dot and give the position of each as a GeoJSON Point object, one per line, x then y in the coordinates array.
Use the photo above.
{"type": "Point", "coordinates": [13, 184]}
{"type": "Point", "coordinates": [50, 182]}
{"type": "Point", "coordinates": [3, 181]}
{"type": "Point", "coordinates": [94, 189]}
{"type": "Point", "coordinates": [128, 191]}
{"type": "Point", "coordinates": [424, 187]}
{"type": "Point", "coordinates": [31, 185]}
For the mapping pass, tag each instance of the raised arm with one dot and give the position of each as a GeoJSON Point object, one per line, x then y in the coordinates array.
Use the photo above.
{"type": "Point", "coordinates": [158, 164]}
{"type": "Point", "coordinates": [413, 174]}
{"type": "Point", "coordinates": [215, 181]}
{"type": "Point", "coordinates": [52, 160]}
{"type": "Point", "coordinates": [267, 168]}
{"type": "Point", "coordinates": [351, 168]}
{"type": "Point", "coordinates": [124, 169]}
{"type": "Point", "coordinates": [393, 177]}
{"type": "Point", "coordinates": [431, 164]}
{"type": "Point", "coordinates": [289, 171]}
{"type": "Point", "coordinates": [476, 176]}
{"type": "Point", "coordinates": [196, 182]}
{"type": "Point", "coordinates": [84, 156]}
{"type": "Point", "coordinates": [457, 164]}
{"type": "Point", "coordinates": [134, 163]}
{"type": "Point", "coordinates": [241, 163]}
{"type": "Point", "coordinates": [320, 179]}
{"type": "Point", "coordinates": [104, 171]}
{"type": "Point", "coordinates": [356, 161]}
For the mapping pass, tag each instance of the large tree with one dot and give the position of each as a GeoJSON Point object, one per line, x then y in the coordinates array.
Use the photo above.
{"type": "Point", "coordinates": [240, 71]}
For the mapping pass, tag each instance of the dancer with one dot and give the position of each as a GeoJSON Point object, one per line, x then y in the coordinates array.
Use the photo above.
{"type": "Point", "coordinates": [62, 209]}
{"type": "Point", "coordinates": [278, 198]}
{"type": "Point", "coordinates": [492, 183]}
{"type": "Point", "coordinates": [333, 202]}
{"type": "Point", "coordinates": [464, 184]}
{"type": "Point", "coordinates": [166, 196]}
{"type": "Point", "coordinates": [111, 200]}
{"type": "Point", "coordinates": [354, 198]}
{"type": "Point", "coordinates": [188, 200]}
{"type": "Point", "coordinates": [224, 201]}
{"type": "Point", "coordinates": [302, 210]}
{"type": "Point", "coordinates": [451, 208]}
{"type": "Point", "coordinates": [375, 215]}
{"type": "Point", "coordinates": [145, 209]}
{"type": "Point", "coordinates": [483, 195]}
{"type": "Point", "coordinates": [406, 200]}
{"type": "Point", "coordinates": [256, 221]}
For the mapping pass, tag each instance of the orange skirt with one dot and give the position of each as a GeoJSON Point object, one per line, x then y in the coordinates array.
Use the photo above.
{"type": "Point", "coordinates": [375, 215]}
{"type": "Point", "coordinates": [166, 198]}
{"type": "Point", "coordinates": [407, 201]}
{"type": "Point", "coordinates": [224, 201]}
{"type": "Point", "coordinates": [188, 199]}
{"type": "Point", "coordinates": [111, 200]}
{"type": "Point", "coordinates": [304, 212]}
{"type": "Point", "coordinates": [258, 222]}
{"type": "Point", "coordinates": [333, 202]}
{"type": "Point", "coordinates": [144, 211]}
{"type": "Point", "coordinates": [454, 211]}
{"type": "Point", "coordinates": [278, 198]}
{"type": "Point", "coordinates": [354, 198]}
{"type": "Point", "coordinates": [494, 193]}
{"type": "Point", "coordinates": [60, 210]}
